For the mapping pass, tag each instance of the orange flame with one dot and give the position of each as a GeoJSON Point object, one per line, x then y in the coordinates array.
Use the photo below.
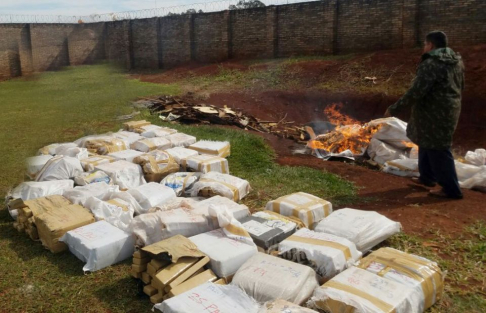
{"type": "Point", "coordinates": [336, 117]}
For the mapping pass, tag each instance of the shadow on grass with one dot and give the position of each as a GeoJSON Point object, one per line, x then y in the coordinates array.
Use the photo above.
{"type": "Point", "coordinates": [124, 294]}
{"type": "Point", "coordinates": [27, 249]}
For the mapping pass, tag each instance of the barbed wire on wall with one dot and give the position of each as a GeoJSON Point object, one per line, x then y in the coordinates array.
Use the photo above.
{"type": "Point", "coordinates": [204, 7]}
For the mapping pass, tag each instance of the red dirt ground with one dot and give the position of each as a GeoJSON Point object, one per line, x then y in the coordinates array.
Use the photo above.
{"type": "Point", "coordinates": [392, 196]}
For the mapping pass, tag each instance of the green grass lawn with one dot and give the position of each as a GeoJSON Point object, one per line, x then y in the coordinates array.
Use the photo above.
{"type": "Point", "coordinates": [63, 106]}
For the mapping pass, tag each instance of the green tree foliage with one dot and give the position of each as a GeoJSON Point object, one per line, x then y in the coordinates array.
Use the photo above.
{"type": "Point", "coordinates": [250, 4]}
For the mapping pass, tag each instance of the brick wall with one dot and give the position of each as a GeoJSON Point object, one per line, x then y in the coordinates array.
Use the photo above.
{"type": "Point", "coordinates": [86, 43]}
{"type": "Point", "coordinates": [145, 45]}
{"type": "Point", "coordinates": [313, 28]}
{"type": "Point", "coordinates": [118, 43]}
{"type": "Point", "coordinates": [175, 40]}
{"type": "Point", "coordinates": [49, 43]}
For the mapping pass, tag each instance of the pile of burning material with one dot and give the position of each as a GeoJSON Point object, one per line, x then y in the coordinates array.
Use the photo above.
{"type": "Point", "coordinates": [174, 109]}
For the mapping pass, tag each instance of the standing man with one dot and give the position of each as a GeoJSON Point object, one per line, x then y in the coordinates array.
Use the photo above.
{"type": "Point", "coordinates": [435, 102]}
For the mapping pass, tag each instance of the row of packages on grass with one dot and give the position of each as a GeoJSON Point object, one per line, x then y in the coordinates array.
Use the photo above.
{"type": "Point", "coordinates": [171, 204]}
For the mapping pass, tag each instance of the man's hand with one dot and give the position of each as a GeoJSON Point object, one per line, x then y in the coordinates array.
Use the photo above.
{"type": "Point", "coordinates": [388, 113]}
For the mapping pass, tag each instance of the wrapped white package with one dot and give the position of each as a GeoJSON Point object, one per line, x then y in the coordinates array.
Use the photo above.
{"type": "Point", "coordinates": [182, 182]}
{"type": "Point", "coordinates": [402, 167]}
{"type": "Point", "coordinates": [308, 208]}
{"type": "Point", "coordinates": [125, 155]}
{"type": "Point", "coordinates": [218, 148]}
{"type": "Point", "coordinates": [282, 306]}
{"type": "Point", "coordinates": [117, 208]}
{"type": "Point", "coordinates": [62, 148]}
{"type": "Point", "coordinates": [226, 254]}
{"type": "Point", "coordinates": [476, 157]}
{"type": "Point", "coordinates": [239, 211]}
{"type": "Point", "coordinates": [74, 152]}
{"type": "Point", "coordinates": [180, 155]}
{"type": "Point", "coordinates": [149, 144]}
{"type": "Point", "coordinates": [136, 126]}
{"type": "Point", "coordinates": [214, 183]}
{"type": "Point", "coordinates": [392, 131]}
{"type": "Point", "coordinates": [36, 163]}
{"type": "Point", "coordinates": [381, 152]}
{"type": "Point", "coordinates": [151, 195]}
{"type": "Point", "coordinates": [330, 254]}
{"type": "Point", "coordinates": [125, 174]}
{"type": "Point", "coordinates": [90, 163]}
{"type": "Point", "coordinates": [357, 290]}
{"type": "Point", "coordinates": [156, 165]}
{"type": "Point", "coordinates": [153, 227]}
{"type": "Point", "coordinates": [92, 177]}
{"type": "Point", "coordinates": [210, 297]}
{"type": "Point", "coordinates": [32, 189]}
{"type": "Point", "coordinates": [471, 176]}
{"type": "Point", "coordinates": [409, 270]}
{"type": "Point", "coordinates": [181, 140]}
{"type": "Point", "coordinates": [179, 202]}
{"type": "Point", "coordinates": [49, 149]}
{"type": "Point", "coordinates": [79, 195]}
{"type": "Point", "coordinates": [207, 163]}
{"type": "Point", "coordinates": [365, 229]}
{"type": "Point", "coordinates": [81, 142]}
{"type": "Point", "coordinates": [60, 168]}
{"type": "Point", "coordinates": [157, 131]}
{"type": "Point", "coordinates": [267, 278]}
{"type": "Point", "coordinates": [99, 245]}
{"type": "Point", "coordinates": [107, 145]}
{"type": "Point", "coordinates": [129, 137]}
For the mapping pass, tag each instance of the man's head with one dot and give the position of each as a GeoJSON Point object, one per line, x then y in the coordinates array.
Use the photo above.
{"type": "Point", "coordinates": [435, 40]}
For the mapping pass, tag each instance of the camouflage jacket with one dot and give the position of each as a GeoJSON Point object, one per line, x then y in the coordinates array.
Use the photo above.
{"type": "Point", "coordinates": [435, 99]}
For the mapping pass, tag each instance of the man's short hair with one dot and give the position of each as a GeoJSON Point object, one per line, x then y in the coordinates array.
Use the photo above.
{"type": "Point", "coordinates": [437, 38]}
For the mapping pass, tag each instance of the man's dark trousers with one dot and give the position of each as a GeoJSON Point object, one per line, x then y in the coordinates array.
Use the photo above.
{"type": "Point", "coordinates": [437, 166]}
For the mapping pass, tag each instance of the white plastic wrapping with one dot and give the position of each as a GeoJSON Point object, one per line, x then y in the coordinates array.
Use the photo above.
{"type": "Point", "coordinates": [381, 152]}
{"type": "Point", "coordinates": [36, 163]}
{"type": "Point", "coordinates": [471, 176]}
{"type": "Point", "coordinates": [126, 155]}
{"type": "Point", "coordinates": [357, 290]}
{"type": "Point", "coordinates": [149, 144]}
{"type": "Point", "coordinates": [218, 148]}
{"type": "Point", "coordinates": [180, 154]}
{"type": "Point", "coordinates": [72, 151]}
{"type": "Point", "coordinates": [32, 190]}
{"type": "Point", "coordinates": [402, 167]}
{"type": "Point", "coordinates": [182, 183]}
{"type": "Point", "coordinates": [181, 140]}
{"type": "Point", "coordinates": [239, 211]}
{"type": "Point", "coordinates": [267, 278]}
{"type": "Point", "coordinates": [393, 131]}
{"type": "Point", "coordinates": [308, 208]}
{"type": "Point", "coordinates": [117, 208]}
{"type": "Point", "coordinates": [476, 157]}
{"type": "Point", "coordinates": [152, 131]}
{"type": "Point", "coordinates": [226, 254]}
{"type": "Point", "coordinates": [123, 173]}
{"type": "Point", "coordinates": [79, 195]}
{"type": "Point", "coordinates": [365, 229]}
{"type": "Point", "coordinates": [330, 254]}
{"type": "Point", "coordinates": [282, 306]}
{"type": "Point", "coordinates": [60, 168]}
{"type": "Point", "coordinates": [128, 137]}
{"type": "Point", "coordinates": [81, 142]}
{"type": "Point", "coordinates": [90, 163]}
{"type": "Point", "coordinates": [179, 202]}
{"type": "Point", "coordinates": [93, 177]}
{"type": "Point", "coordinates": [99, 245]}
{"type": "Point", "coordinates": [214, 183]}
{"type": "Point", "coordinates": [210, 298]}
{"type": "Point", "coordinates": [151, 195]}
{"type": "Point", "coordinates": [153, 227]}
{"type": "Point", "coordinates": [207, 163]}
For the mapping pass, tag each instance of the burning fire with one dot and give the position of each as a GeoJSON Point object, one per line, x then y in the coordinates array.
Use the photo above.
{"type": "Point", "coordinates": [336, 117]}
{"type": "Point", "coordinates": [348, 135]}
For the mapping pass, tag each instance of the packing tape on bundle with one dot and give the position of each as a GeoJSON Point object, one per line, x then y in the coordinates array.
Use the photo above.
{"type": "Point", "coordinates": [426, 272]}
{"type": "Point", "coordinates": [234, 190]}
{"type": "Point", "coordinates": [223, 152]}
{"type": "Point", "coordinates": [324, 243]}
{"type": "Point", "coordinates": [207, 164]}
{"type": "Point", "coordinates": [382, 305]}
